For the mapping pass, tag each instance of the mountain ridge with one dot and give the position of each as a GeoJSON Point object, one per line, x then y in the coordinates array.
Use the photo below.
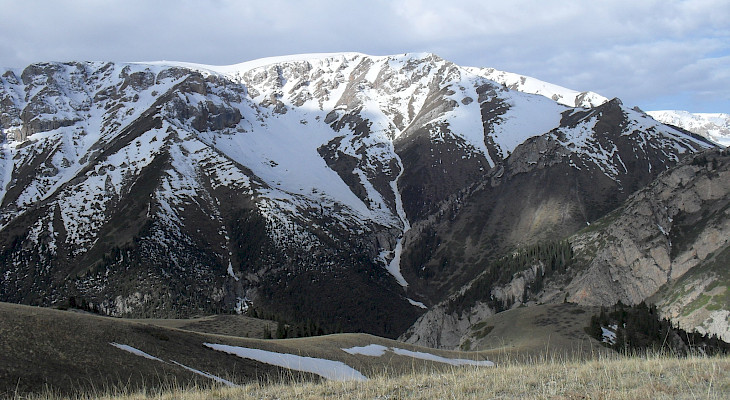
{"type": "Point", "coordinates": [714, 126]}
{"type": "Point", "coordinates": [281, 185]}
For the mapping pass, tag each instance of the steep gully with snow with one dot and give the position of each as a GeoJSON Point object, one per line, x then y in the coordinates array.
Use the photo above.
{"type": "Point", "coordinates": [343, 188]}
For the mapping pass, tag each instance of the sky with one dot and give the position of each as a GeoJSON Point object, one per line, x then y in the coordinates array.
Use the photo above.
{"type": "Point", "coordinates": [655, 54]}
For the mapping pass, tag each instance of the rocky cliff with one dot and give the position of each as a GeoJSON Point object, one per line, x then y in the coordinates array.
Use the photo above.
{"type": "Point", "coordinates": [667, 244]}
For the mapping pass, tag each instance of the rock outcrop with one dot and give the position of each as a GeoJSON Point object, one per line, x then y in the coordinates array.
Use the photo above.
{"type": "Point", "coordinates": [667, 244]}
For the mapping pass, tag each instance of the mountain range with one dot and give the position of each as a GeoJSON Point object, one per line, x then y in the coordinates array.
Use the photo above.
{"type": "Point", "coordinates": [713, 126]}
{"type": "Point", "coordinates": [352, 190]}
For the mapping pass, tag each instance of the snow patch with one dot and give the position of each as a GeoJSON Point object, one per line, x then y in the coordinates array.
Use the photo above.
{"type": "Point", "coordinates": [527, 116]}
{"type": "Point", "coordinates": [6, 169]}
{"type": "Point", "coordinates": [242, 305]}
{"type": "Point", "coordinates": [141, 353]}
{"type": "Point", "coordinates": [375, 350]}
{"type": "Point", "coordinates": [394, 266]}
{"type": "Point", "coordinates": [433, 357]}
{"type": "Point", "coordinates": [417, 303]}
{"type": "Point", "coordinates": [134, 351]}
{"type": "Point", "coordinates": [230, 271]}
{"type": "Point", "coordinates": [205, 374]}
{"type": "Point", "coordinates": [609, 335]}
{"type": "Point", "coordinates": [332, 370]}
{"type": "Point", "coordinates": [372, 350]}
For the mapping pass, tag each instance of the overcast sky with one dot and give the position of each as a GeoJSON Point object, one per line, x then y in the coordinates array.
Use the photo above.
{"type": "Point", "coordinates": [657, 54]}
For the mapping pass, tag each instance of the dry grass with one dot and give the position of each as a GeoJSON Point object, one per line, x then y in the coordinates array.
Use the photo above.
{"type": "Point", "coordinates": [650, 377]}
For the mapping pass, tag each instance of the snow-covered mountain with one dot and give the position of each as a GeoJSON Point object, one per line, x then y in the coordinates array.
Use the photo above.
{"type": "Point", "coordinates": [527, 84]}
{"type": "Point", "coordinates": [344, 188]}
{"type": "Point", "coordinates": [714, 126]}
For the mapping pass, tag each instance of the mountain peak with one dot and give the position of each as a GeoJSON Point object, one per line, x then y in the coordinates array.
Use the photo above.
{"type": "Point", "coordinates": [713, 126]}
{"type": "Point", "coordinates": [174, 188]}
{"type": "Point", "coordinates": [245, 66]}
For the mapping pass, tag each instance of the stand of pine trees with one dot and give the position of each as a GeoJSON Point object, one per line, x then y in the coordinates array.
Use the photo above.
{"type": "Point", "coordinates": [639, 328]}
{"type": "Point", "coordinates": [551, 257]}
{"type": "Point", "coordinates": [80, 303]}
{"type": "Point", "coordinates": [292, 329]}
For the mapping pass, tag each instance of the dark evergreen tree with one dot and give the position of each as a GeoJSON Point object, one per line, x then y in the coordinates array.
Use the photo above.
{"type": "Point", "coordinates": [638, 328]}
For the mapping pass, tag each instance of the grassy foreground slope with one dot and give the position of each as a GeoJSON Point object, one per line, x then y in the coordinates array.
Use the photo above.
{"type": "Point", "coordinates": [631, 378]}
{"type": "Point", "coordinates": [535, 331]}
{"type": "Point", "coordinates": [66, 352]}
{"type": "Point", "coordinates": [652, 377]}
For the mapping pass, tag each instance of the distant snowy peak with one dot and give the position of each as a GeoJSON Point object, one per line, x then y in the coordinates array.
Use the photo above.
{"type": "Point", "coordinates": [526, 84]}
{"type": "Point", "coordinates": [713, 126]}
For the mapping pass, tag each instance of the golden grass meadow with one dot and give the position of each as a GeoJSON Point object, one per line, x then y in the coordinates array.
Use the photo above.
{"type": "Point", "coordinates": [629, 377]}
